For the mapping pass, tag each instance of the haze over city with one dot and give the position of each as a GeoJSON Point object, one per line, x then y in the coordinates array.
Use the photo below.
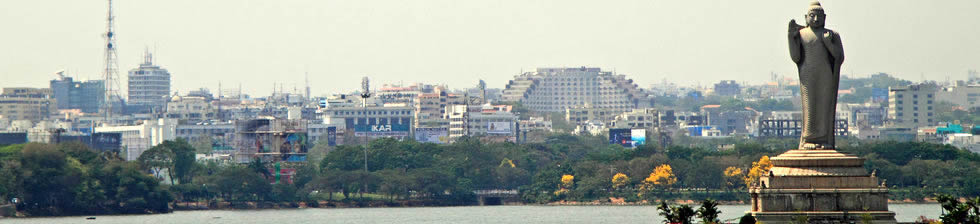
{"type": "Point", "coordinates": [257, 43]}
{"type": "Point", "coordinates": [441, 111]}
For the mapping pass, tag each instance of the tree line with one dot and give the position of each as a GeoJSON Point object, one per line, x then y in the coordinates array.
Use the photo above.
{"type": "Point", "coordinates": [65, 178]}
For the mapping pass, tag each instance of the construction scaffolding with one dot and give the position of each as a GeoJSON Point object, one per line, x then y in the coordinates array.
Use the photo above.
{"type": "Point", "coordinates": [271, 140]}
{"type": "Point", "coordinates": [793, 128]}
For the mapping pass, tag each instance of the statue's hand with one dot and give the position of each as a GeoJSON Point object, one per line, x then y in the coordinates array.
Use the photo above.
{"type": "Point", "coordinates": [794, 28]}
{"type": "Point", "coordinates": [828, 37]}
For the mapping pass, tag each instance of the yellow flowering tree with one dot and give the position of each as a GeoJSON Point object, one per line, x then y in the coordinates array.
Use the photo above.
{"type": "Point", "coordinates": [567, 182]}
{"type": "Point", "coordinates": [620, 180]}
{"type": "Point", "coordinates": [733, 175]}
{"type": "Point", "coordinates": [758, 169]}
{"type": "Point", "coordinates": [662, 176]}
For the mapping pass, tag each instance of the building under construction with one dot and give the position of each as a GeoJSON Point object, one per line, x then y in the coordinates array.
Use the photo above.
{"type": "Point", "coordinates": [271, 140]}
{"type": "Point", "coordinates": [780, 128]}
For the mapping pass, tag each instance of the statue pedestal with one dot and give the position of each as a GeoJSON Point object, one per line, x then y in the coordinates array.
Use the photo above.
{"type": "Point", "coordinates": [824, 186]}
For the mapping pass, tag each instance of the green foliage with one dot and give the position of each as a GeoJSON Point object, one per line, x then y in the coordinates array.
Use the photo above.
{"type": "Point", "coordinates": [921, 164]}
{"type": "Point", "coordinates": [732, 104]}
{"type": "Point", "coordinates": [177, 158]}
{"type": "Point", "coordinates": [708, 212]}
{"type": "Point", "coordinates": [947, 111]}
{"type": "Point", "coordinates": [71, 179]}
{"type": "Point", "coordinates": [683, 214]}
{"type": "Point", "coordinates": [863, 86]}
{"type": "Point", "coordinates": [241, 184]}
{"type": "Point", "coordinates": [955, 211]}
{"type": "Point", "coordinates": [746, 219]}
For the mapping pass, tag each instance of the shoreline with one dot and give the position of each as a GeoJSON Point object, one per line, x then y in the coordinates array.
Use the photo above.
{"type": "Point", "coordinates": [246, 206]}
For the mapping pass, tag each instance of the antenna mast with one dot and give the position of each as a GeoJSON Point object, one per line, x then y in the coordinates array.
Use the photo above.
{"type": "Point", "coordinates": [111, 70]}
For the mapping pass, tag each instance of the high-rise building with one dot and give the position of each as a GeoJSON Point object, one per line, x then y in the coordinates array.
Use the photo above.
{"type": "Point", "coordinates": [911, 106]}
{"type": "Point", "coordinates": [371, 118]}
{"type": "Point", "coordinates": [727, 88]}
{"type": "Point", "coordinates": [87, 96]}
{"type": "Point", "coordinates": [32, 104]}
{"type": "Point", "coordinates": [430, 108]}
{"type": "Point", "coordinates": [557, 89]}
{"type": "Point", "coordinates": [149, 85]}
{"type": "Point", "coordinates": [967, 96]}
{"type": "Point", "coordinates": [489, 122]}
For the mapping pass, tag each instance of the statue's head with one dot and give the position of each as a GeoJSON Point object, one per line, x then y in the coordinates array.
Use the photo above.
{"type": "Point", "coordinates": [814, 16]}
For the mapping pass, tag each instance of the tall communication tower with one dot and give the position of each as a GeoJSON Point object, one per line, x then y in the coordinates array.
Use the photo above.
{"type": "Point", "coordinates": [111, 70]}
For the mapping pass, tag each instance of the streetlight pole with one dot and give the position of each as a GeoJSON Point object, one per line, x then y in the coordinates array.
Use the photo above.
{"type": "Point", "coordinates": [365, 94]}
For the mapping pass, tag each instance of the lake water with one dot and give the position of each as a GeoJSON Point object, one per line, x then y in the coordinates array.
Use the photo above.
{"type": "Point", "coordinates": [473, 214]}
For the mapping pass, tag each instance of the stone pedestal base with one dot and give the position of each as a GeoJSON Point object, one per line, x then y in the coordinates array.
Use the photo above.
{"type": "Point", "coordinates": [824, 217]}
{"type": "Point", "coordinates": [821, 186]}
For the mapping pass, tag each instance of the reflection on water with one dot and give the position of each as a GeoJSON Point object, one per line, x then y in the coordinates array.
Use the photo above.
{"type": "Point", "coordinates": [488, 214]}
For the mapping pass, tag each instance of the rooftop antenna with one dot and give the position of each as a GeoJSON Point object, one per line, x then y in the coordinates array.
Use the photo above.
{"type": "Point", "coordinates": [111, 70]}
{"type": "Point", "coordinates": [220, 94]}
{"type": "Point", "coordinates": [307, 78]}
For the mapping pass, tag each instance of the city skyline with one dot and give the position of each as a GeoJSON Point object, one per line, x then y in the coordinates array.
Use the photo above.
{"type": "Point", "coordinates": [256, 44]}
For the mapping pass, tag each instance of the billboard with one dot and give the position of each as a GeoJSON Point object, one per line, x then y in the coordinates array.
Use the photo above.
{"type": "Point", "coordinates": [331, 136]}
{"type": "Point", "coordinates": [432, 135]}
{"type": "Point", "coordinates": [639, 137]}
{"type": "Point", "coordinates": [381, 130]}
{"type": "Point", "coordinates": [13, 138]}
{"type": "Point", "coordinates": [107, 141]}
{"type": "Point", "coordinates": [621, 136]}
{"type": "Point", "coordinates": [500, 128]}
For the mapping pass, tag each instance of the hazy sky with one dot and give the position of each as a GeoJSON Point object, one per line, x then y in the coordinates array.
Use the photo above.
{"type": "Point", "coordinates": [257, 43]}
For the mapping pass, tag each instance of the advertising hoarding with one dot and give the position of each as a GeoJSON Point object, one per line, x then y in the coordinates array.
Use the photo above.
{"type": "Point", "coordinates": [500, 127]}
{"type": "Point", "coordinates": [621, 136]}
{"type": "Point", "coordinates": [381, 130]}
{"type": "Point", "coordinates": [639, 137]}
{"type": "Point", "coordinates": [331, 136]}
{"type": "Point", "coordinates": [13, 138]}
{"type": "Point", "coordinates": [432, 135]}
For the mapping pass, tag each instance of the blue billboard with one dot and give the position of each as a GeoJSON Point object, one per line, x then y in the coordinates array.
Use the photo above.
{"type": "Point", "coordinates": [381, 130]}
{"type": "Point", "coordinates": [639, 137]}
{"type": "Point", "coordinates": [621, 136]}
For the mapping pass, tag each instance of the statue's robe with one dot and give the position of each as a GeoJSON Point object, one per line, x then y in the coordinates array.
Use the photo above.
{"type": "Point", "coordinates": [819, 69]}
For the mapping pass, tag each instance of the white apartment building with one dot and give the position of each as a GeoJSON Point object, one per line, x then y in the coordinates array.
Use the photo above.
{"type": "Point", "coordinates": [138, 138]}
{"type": "Point", "coordinates": [557, 89]}
{"type": "Point", "coordinates": [190, 109]}
{"type": "Point", "coordinates": [485, 121]}
{"type": "Point", "coordinates": [430, 108]}
{"type": "Point", "coordinates": [345, 112]}
{"type": "Point", "coordinates": [149, 84]}
{"type": "Point", "coordinates": [638, 119]}
{"type": "Point", "coordinates": [911, 106]}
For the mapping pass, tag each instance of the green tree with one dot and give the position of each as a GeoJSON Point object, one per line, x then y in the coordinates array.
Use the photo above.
{"type": "Point", "coordinates": [955, 211]}
{"type": "Point", "coordinates": [241, 184]}
{"type": "Point", "coordinates": [683, 214]}
{"type": "Point", "coordinates": [708, 212]}
{"type": "Point", "coordinates": [159, 159]}
{"type": "Point", "coordinates": [184, 159]}
{"type": "Point", "coordinates": [131, 191]}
